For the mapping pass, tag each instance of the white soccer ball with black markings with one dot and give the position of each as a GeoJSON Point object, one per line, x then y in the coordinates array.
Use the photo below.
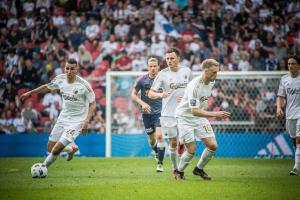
{"type": "Point", "coordinates": [38, 170]}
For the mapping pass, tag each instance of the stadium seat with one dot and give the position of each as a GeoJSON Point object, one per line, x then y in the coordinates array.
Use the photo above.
{"type": "Point", "coordinates": [98, 92]}
{"type": "Point", "coordinates": [120, 102]}
{"type": "Point", "coordinates": [84, 73]}
{"type": "Point", "coordinates": [102, 101]}
{"type": "Point", "coordinates": [39, 107]}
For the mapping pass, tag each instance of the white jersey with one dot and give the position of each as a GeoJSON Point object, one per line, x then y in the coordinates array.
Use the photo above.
{"type": "Point", "coordinates": [173, 83]}
{"type": "Point", "coordinates": [195, 96]}
{"type": "Point", "coordinates": [289, 87]}
{"type": "Point", "coordinates": [76, 98]}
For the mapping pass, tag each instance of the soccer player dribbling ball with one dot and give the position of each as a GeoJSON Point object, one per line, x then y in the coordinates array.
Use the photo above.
{"type": "Point", "coordinates": [78, 107]}
{"type": "Point", "coordinates": [193, 122]}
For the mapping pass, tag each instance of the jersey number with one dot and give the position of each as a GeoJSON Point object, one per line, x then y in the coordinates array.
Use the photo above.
{"type": "Point", "coordinates": [207, 128]}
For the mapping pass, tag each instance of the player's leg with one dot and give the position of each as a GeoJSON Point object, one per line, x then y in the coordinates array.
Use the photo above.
{"type": "Point", "coordinates": [160, 148]}
{"type": "Point", "coordinates": [50, 146]}
{"type": "Point", "coordinates": [187, 137]}
{"type": "Point", "coordinates": [56, 133]}
{"type": "Point", "coordinates": [71, 149]}
{"type": "Point", "coordinates": [68, 136]}
{"type": "Point", "coordinates": [150, 130]}
{"type": "Point", "coordinates": [173, 154]}
{"type": "Point", "coordinates": [153, 143]}
{"type": "Point", "coordinates": [185, 159]}
{"type": "Point", "coordinates": [291, 129]}
{"type": "Point", "coordinates": [296, 168]}
{"type": "Point", "coordinates": [160, 142]}
{"type": "Point", "coordinates": [58, 147]}
{"type": "Point", "coordinates": [207, 155]}
{"type": "Point", "coordinates": [169, 129]}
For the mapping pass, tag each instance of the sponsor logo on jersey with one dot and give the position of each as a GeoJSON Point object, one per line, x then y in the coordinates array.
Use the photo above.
{"type": "Point", "coordinates": [293, 91]}
{"type": "Point", "coordinates": [175, 86]}
{"type": "Point", "coordinates": [70, 98]}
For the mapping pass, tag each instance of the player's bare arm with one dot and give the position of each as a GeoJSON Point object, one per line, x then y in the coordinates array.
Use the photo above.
{"type": "Point", "coordinates": [41, 89]}
{"type": "Point", "coordinates": [92, 108]}
{"type": "Point", "coordinates": [203, 113]}
{"type": "Point", "coordinates": [155, 95]}
{"type": "Point", "coordinates": [279, 104]}
{"type": "Point", "coordinates": [136, 98]}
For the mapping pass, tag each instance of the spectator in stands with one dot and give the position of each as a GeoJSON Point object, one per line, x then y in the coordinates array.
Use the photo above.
{"type": "Point", "coordinates": [30, 114]}
{"type": "Point", "coordinates": [92, 30]}
{"type": "Point", "coordinates": [49, 101]}
{"type": "Point", "coordinates": [18, 124]}
{"type": "Point", "coordinates": [122, 62]}
{"type": "Point", "coordinates": [271, 62]}
{"type": "Point", "coordinates": [75, 38]}
{"type": "Point", "coordinates": [121, 29]}
{"type": "Point", "coordinates": [257, 62]}
{"type": "Point", "coordinates": [85, 59]}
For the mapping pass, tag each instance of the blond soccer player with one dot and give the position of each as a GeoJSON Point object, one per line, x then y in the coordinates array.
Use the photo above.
{"type": "Point", "coordinates": [192, 120]}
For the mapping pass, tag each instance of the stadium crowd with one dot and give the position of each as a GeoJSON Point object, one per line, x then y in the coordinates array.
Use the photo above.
{"type": "Point", "coordinates": [37, 37]}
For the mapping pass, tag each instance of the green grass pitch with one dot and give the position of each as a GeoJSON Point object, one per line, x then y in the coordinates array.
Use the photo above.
{"type": "Point", "coordinates": [135, 178]}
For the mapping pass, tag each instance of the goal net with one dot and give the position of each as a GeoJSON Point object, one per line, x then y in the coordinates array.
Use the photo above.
{"type": "Point", "coordinates": [252, 130]}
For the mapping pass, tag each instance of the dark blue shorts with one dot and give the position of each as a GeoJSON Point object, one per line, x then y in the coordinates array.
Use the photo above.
{"type": "Point", "coordinates": [151, 122]}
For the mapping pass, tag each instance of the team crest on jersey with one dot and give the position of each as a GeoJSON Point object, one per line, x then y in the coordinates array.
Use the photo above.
{"type": "Point", "coordinates": [193, 102]}
{"type": "Point", "coordinates": [75, 91]}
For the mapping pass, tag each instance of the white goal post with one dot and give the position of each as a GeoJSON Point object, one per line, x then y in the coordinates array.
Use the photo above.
{"type": "Point", "coordinates": [221, 75]}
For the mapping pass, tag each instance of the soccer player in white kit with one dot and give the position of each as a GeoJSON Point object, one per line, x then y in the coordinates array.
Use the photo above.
{"type": "Point", "coordinates": [289, 90]}
{"type": "Point", "coordinates": [173, 81]}
{"type": "Point", "coordinates": [78, 107]}
{"type": "Point", "coordinates": [192, 120]}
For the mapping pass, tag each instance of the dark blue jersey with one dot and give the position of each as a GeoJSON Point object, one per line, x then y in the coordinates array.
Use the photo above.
{"type": "Point", "coordinates": [143, 84]}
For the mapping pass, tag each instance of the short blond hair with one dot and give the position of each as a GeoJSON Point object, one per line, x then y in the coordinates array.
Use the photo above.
{"type": "Point", "coordinates": [208, 63]}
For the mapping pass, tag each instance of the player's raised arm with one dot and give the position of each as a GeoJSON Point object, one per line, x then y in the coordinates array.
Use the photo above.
{"type": "Point", "coordinates": [41, 89]}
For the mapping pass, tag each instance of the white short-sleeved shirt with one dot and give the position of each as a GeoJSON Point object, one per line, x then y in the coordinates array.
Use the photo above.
{"type": "Point", "coordinates": [76, 98]}
{"type": "Point", "coordinates": [195, 96]}
{"type": "Point", "coordinates": [173, 83]}
{"type": "Point", "coordinates": [289, 87]}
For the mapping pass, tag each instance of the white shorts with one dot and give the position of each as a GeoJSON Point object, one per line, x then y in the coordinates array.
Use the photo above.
{"type": "Point", "coordinates": [169, 127]}
{"type": "Point", "coordinates": [189, 133]}
{"type": "Point", "coordinates": [65, 132]}
{"type": "Point", "coordinates": [293, 127]}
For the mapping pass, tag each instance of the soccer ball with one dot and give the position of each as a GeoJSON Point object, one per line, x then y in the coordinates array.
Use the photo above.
{"type": "Point", "coordinates": [38, 170]}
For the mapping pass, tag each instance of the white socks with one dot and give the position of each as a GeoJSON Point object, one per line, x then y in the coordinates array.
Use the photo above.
{"type": "Point", "coordinates": [205, 158]}
{"type": "Point", "coordinates": [297, 157]}
{"type": "Point", "coordinates": [68, 148]}
{"type": "Point", "coordinates": [50, 159]}
{"type": "Point", "coordinates": [174, 157]}
{"type": "Point", "coordinates": [185, 160]}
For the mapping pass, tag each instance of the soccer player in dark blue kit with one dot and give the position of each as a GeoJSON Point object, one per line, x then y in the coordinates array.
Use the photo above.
{"type": "Point", "coordinates": [151, 109]}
